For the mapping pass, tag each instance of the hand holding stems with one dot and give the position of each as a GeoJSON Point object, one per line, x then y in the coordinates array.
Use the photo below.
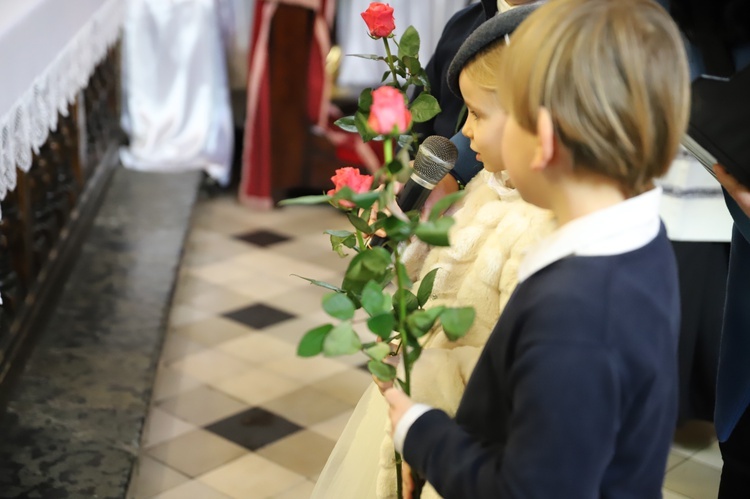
{"type": "Point", "coordinates": [738, 191]}
{"type": "Point", "coordinates": [398, 404]}
{"type": "Point", "coordinates": [407, 480]}
{"type": "Point", "coordinates": [448, 185]}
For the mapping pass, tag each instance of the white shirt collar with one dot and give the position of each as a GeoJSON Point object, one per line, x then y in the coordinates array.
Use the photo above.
{"type": "Point", "coordinates": [498, 182]}
{"type": "Point", "coordinates": [503, 6]}
{"type": "Point", "coordinates": [624, 227]}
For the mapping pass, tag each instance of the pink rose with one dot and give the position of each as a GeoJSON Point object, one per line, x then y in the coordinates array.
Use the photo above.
{"type": "Point", "coordinates": [388, 110]}
{"type": "Point", "coordinates": [379, 19]}
{"type": "Point", "coordinates": [351, 178]}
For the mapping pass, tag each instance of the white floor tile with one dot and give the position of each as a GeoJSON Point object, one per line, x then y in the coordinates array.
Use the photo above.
{"type": "Point", "coordinates": [162, 426]}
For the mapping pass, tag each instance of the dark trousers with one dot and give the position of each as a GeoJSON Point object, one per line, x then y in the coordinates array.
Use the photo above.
{"type": "Point", "coordinates": [702, 268]}
{"type": "Point", "coordinates": [735, 474]}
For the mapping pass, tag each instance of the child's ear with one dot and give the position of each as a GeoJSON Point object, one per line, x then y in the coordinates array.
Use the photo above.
{"type": "Point", "coordinates": [545, 132]}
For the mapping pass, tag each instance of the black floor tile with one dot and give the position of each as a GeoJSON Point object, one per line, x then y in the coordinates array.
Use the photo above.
{"type": "Point", "coordinates": [254, 428]}
{"type": "Point", "coordinates": [258, 316]}
{"type": "Point", "coordinates": [262, 238]}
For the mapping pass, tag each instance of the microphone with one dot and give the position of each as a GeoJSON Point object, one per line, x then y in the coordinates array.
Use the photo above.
{"type": "Point", "coordinates": [435, 158]}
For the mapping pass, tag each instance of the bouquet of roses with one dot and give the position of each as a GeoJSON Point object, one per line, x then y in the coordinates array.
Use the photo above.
{"type": "Point", "coordinates": [376, 279]}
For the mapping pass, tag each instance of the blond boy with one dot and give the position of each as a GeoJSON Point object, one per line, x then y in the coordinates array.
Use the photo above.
{"type": "Point", "coordinates": [575, 393]}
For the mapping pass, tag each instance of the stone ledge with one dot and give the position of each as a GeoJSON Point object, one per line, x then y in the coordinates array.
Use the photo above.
{"type": "Point", "coordinates": [74, 419]}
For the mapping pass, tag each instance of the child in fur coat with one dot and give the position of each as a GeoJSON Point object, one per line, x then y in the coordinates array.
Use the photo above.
{"type": "Point", "coordinates": [493, 227]}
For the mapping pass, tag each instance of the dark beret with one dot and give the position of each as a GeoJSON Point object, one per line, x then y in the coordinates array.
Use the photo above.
{"type": "Point", "coordinates": [484, 36]}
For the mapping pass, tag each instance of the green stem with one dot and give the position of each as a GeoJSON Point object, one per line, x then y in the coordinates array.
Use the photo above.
{"type": "Point", "coordinates": [390, 63]}
{"type": "Point", "coordinates": [360, 240]}
{"type": "Point", "coordinates": [402, 325]}
{"type": "Point", "coordinates": [388, 156]}
{"type": "Point", "coordinates": [399, 483]}
{"type": "Point", "coordinates": [388, 150]}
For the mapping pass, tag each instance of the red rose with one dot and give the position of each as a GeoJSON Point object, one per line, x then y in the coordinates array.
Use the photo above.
{"type": "Point", "coordinates": [379, 19]}
{"type": "Point", "coordinates": [351, 178]}
{"type": "Point", "coordinates": [388, 110]}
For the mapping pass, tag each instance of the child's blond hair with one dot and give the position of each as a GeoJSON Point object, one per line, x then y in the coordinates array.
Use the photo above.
{"type": "Point", "coordinates": [613, 75]}
{"type": "Point", "coordinates": [484, 68]}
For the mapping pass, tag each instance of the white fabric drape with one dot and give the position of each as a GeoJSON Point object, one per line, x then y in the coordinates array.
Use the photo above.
{"type": "Point", "coordinates": [48, 50]}
{"type": "Point", "coordinates": [176, 108]}
{"type": "Point", "coordinates": [427, 16]}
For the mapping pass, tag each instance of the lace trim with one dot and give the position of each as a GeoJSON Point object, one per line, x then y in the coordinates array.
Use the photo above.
{"type": "Point", "coordinates": [26, 125]}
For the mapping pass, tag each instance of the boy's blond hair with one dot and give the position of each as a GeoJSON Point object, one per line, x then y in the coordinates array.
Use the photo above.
{"type": "Point", "coordinates": [614, 76]}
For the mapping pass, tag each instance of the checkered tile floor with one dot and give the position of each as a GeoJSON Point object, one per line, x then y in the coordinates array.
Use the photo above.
{"type": "Point", "coordinates": [235, 414]}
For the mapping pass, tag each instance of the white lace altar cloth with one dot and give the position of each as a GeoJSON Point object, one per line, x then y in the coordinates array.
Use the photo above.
{"type": "Point", "coordinates": [48, 51]}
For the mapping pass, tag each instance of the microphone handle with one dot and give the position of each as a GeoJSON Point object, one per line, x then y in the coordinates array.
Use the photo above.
{"type": "Point", "coordinates": [411, 197]}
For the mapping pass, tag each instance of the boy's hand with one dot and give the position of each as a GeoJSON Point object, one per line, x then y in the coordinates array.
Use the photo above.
{"type": "Point", "coordinates": [398, 404]}
{"type": "Point", "coordinates": [407, 482]}
{"type": "Point", "coordinates": [739, 192]}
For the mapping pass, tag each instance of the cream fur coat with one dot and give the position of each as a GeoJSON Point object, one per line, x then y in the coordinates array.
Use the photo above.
{"type": "Point", "coordinates": [493, 228]}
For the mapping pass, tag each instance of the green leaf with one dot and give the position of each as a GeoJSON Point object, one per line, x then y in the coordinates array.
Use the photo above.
{"type": "Point", "coordinates": [425, 81]}
{"type": "Point", "coordinates": [421, 321]}
{"type": "Point", "coordinates": [425, 287]}
{"type": "Point", "coordinates": [403, 176]}
{"type": "Point", "coordinates": [435, 233]}
{"type": "Point", "coordinates": [374, 261]}
{"type": "Point", "coordinates": [406, 296]}
{"type": "Point", "coordinates": [339, 306]}
{"type": "Point", "coordinates": [387, 195]}
{"type": "Point", "coordinates": [341, 340]}
{"type": "Point", "coordinates": [365, 100]}
{"type": "Point", "coordinates": [372, 57]}
{"type": "Point", "coordinates": [386, 75]}
{"type": "Point", "coordinates": [443, 204]}
{"type": "Point", "coordinates": [346, 124]}
{"type": "Point", "coordinates": [395, 166]}
{"type": "Point", "coordinates": [374, 301]}
{"type": "Point", "coordinates": [424, 108]}
{"type": "Point", "coordinates": [339, 233]}
{"type": "Point", "coordinates": [409, 44]}
{"type": "Point", "coordinates": [457, 321]}
{"type": "Point", "coordinates": [404, 142]}
{"type": "Point", "coordinates": [397, 229]}
{"type": "Point", "coordinates": [359, 223]}
{"type": "Point", "coordinates": [321, 284]}
{"type": "Point", "coordinates": [338, 244]}
{"type": "Point", "coordinates": [382, 324]}
{"type": "Point", "coordinates": [341, 238]}
{"type": "Point", "coordinates": [412, 64]}
{"type": "Point", "coordinates": [378, 351]}
{"type": "Point", "coordinates": [384, 372]}
{"type": "Point", "coordinates": [368, 265]}
{"type": "Point", "coordinates": [365, 199]}
{"type": "Point", "coordinates": [403, 275]}
{"type": "Point", "coordinates": [321, 198]}
{"type": "Point", "coordinates": [360, 121]}
{"type": "Point", "coordinates": [311, 343]}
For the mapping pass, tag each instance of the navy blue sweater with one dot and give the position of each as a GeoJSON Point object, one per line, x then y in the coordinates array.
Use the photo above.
{"type": "Point", "coordinates": [575, 393]}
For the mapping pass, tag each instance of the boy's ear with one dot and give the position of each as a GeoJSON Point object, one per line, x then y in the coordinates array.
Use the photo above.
{"type": "Point", "coordinates": [545, 132]}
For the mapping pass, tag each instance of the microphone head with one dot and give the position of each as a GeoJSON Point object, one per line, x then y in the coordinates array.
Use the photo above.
{"type": "Point", "coordinates": [435, 158]}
